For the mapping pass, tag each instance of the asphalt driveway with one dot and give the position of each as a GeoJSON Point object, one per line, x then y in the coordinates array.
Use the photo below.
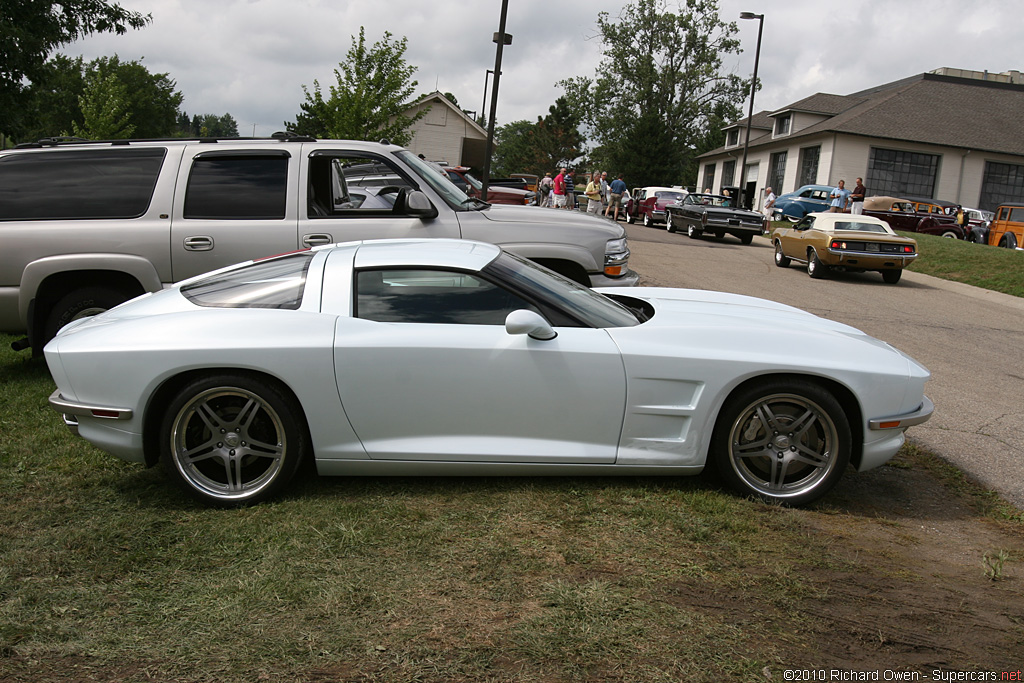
{"type": "Point", "coordinates": [971, 339]}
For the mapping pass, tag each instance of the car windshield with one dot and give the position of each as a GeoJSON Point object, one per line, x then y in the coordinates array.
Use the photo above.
{"type": "Point", "coordinates": [860, 226]}
{"type": "Point", "coordinates": [272, 283]}
{"type": "Point", "coordinates": [583, 303]}
{"type": "Point", "coordinates": [448, 190]}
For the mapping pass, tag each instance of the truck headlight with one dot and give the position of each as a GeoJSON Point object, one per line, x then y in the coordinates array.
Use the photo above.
{"type": "Point", "coordinates": [616, 255]}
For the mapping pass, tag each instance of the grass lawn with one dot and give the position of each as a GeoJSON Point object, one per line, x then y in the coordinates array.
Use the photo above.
{"type": "Point", "coordinates": [1001, 270]}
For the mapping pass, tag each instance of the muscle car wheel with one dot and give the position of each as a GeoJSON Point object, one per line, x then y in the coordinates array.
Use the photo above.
{"type": "Point", "coordinates": [692, 232]}
{"type": "Point", "coordinates": [781, 260]}
{"type": "Point", "coordinates": [785, 441]}
{"type": "Point", "coordinates": [668, 222]}
{"type": "Point", "coordinates": [232, 439]}
{"type": "Point", "coordinates": [891, 277]}
{"type": "Point", "coordinates": [815, 268]}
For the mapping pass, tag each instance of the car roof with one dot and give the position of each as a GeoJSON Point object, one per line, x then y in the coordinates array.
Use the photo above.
{"type": "Point", "coordinates": [827, 218]}
{"type": "Point", "coordinates": [435, 253]}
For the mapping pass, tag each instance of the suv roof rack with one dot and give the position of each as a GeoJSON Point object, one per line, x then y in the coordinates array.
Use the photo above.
{"type": "Point", "coordinates": [61, 141]}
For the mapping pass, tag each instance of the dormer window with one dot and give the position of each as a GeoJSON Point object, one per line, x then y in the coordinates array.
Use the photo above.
{"type": "Point", "coordinates": [733, 139]}
{"type": "Point", "coordinates": [782, 125]}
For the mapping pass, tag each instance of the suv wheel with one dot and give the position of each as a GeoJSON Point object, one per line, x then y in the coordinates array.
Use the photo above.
{"type": "Point", "coordinates": [80, 303]}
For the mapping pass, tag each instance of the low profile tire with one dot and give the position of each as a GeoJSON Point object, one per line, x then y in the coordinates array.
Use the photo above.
{"type": "Point", "coordinates": [693, 232]}
{"type": "Point", "coordinates": [891, 277]}
{"type": "Point", "coordinates": [232, 440]}
{"type": "Point", "coordinates": [81, 303]}
{"type": "Point", "coordinates": [783, 441]}
{"type": "Point", "coordinates": [781, 260]}
{"type": "Point", "coordinates": [1009, 241]}
{"type": "Point", "coordinates": [746, 238]}
{"type": "Point", "coordinates": [815, 268]}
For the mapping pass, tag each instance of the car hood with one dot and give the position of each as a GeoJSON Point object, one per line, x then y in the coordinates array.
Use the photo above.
{"type": "Point", "coordinates": [714, 325]}
{"type": "Point", "coordinates": [738, 213]}
{"type": "Point", "coordinates": [533, 215]}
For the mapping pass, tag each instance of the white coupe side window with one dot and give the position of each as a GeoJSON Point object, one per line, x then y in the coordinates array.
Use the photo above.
{"type": "Point", "coordinates": [272, 283]}
{"type": "Point", "coordinates": [433, 296]}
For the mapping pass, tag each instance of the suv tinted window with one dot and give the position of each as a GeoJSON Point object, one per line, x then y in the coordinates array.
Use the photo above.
{"type": "Point", "coordinates": [100, 183]}
{"type": "Point", "coordinates": [237, 186]}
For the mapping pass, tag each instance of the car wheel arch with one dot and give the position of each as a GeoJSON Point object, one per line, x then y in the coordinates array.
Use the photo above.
{"type": "Point", "coordinates": [57, 286]}
{"type": "Point", "coordinates": [164, 394]}
{"type": "Point", "coordinates": [846, 398]}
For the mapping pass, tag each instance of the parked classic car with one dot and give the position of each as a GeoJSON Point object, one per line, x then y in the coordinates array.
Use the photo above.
{"type": "Point", "coordinates": [700, 214]}
{"type": "Point", "coordinates": [648, 203]}
{"type": "Point", "coordinates": [841, 241]}
{"type": "Point", "coordinates": [927, 218]}
{"type": "Point", "coordinates": [980, 221]}
{"type": "Point", "coordinates": [450, 357]}
{"type": "Point", "coordinates": [793, 206]}
{"type": "Point", "coordinates": [496, 194]}
{"type": "Point", "coordinates": [1007, 228]}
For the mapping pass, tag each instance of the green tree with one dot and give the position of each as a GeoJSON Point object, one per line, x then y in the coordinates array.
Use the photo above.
{"type": "Point", "coordinates": [31, 30]}
{"type": "Point", "coordinates": [660, 87]}
{"type": "Point", "coordinates": [104, 105]}
{"type": "Point", "coordinates": [53, 102]}
{"type": "Point", "coordinates": [208, 126]}
{"type": "Point", "coordinates": [369, 101]}
{"type": "Point", "coordinates": [553, 141]}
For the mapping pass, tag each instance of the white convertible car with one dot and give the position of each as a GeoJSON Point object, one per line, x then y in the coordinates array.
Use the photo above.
{"type": "Point", "coordinates": [448, 357]}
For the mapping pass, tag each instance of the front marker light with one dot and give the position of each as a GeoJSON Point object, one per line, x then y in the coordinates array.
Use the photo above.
{"type": "Point", "coordinates": [616, 255]}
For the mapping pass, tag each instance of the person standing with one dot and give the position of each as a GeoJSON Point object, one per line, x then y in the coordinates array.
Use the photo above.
{"type": "Point", "coordinates": [618, 189]}
{"type": "Point", "coordinates": [570, 191]}
{"type": "Point", "coordinates": [857, 197]}
{"type": "Point", "coordinates": [769, 203]}
{"type": "Point", "coordinates": [840, 197]}
{"type": "Point", "coordinates": [558, 190]}
{"type": "Point", "coordinates": [605, 191]}
{"type": "Point", "coordinates": [545, 186]}
{"type": "Point", "coordinates": [593, 193]}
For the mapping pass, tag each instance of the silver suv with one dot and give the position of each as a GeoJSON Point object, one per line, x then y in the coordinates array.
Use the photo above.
{"type": "Point", "coordinates": [85, 226]}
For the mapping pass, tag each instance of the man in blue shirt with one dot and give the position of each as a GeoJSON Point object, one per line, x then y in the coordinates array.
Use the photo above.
{"type": "Point", "coordinates": [840, 196]}
{"type": "Point", "coordinates": [618, 188]}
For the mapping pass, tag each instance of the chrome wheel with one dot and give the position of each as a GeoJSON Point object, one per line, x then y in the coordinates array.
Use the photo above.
{"type": "Point", "coordinates": [787, 442]}
{"type": "Point", "coordinates": [781, 260]}
{"type": "Point", "coordinates": [692, 232]}
{"type": "Point", "coordinates": [232, 440]}
{"type": "Point", "coordinates": [815, 268]}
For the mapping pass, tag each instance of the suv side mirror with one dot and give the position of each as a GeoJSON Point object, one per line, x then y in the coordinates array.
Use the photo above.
{"type": "Point", "coordinates": [417, 204]}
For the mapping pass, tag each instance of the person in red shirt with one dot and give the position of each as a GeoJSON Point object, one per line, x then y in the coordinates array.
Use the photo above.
{"type": "Point", "coordinates": [558, 190]}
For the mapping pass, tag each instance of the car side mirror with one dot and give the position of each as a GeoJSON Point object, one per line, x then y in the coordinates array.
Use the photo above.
{"type": "Point", "coordinates": [529, 323]}
{"type": "Point", "coordinates": [417, 204]}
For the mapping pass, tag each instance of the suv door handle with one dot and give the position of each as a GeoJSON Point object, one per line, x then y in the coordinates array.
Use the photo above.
{"type": "Point", "coordinates": [317, 238]}
{"type": "Point", "coordinates": [199, 243]}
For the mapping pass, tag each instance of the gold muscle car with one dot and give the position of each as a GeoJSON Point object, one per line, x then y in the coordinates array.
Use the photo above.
{"type": "Point", "coordinates": [842, 241]}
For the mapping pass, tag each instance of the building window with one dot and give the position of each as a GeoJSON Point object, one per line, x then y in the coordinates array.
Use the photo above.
{"type": "Point", "coordinates": [782, 125]}
{"type": "Point", "coordinates": [709, 177]}
{"type": "Point", "coordinates": [808, 166]}
{"type": "Point", "coordinates": [728, 172]}
{"type": "Point", "coordinates": [902, 174]}
{"type": "Point", "coordinates": [733, 139]}
{"type": "Point", "coordinates": [777, 171]}
{"type": "Point", "coordinates": [1002, 183]}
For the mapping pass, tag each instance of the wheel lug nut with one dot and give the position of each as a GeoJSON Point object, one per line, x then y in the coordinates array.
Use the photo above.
{"type": "Point", "coordinates": [232, 451]}
{"type": "Point", "coordinates": [220, 444]}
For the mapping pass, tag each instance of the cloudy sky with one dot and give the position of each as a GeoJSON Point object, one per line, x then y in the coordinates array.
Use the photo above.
{"type": "Point", "coordinates": [250, 58]}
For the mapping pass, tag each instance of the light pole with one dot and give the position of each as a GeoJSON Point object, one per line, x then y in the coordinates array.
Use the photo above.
{"type": "Point", "coordinates": [501, 39]}
{"type": "Point", "coordinates": [750, 115]}
{"type": "Point", "coordinates": [483, 105]}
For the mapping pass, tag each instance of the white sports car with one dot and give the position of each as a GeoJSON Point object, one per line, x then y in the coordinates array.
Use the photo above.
{"type": "Point", "coordinates": [448, 357]}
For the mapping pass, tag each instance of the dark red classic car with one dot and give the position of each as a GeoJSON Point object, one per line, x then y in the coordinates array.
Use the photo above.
{"type": "Point", "coordinates": [925, 217]}
{"type": "Point", "coordinates": [648, 203]}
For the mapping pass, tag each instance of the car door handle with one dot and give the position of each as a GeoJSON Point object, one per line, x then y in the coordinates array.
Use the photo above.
{"type": "Point", "coordinates": [199, 243]}
{"type": "Point", "coordinates": [317, 238]}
